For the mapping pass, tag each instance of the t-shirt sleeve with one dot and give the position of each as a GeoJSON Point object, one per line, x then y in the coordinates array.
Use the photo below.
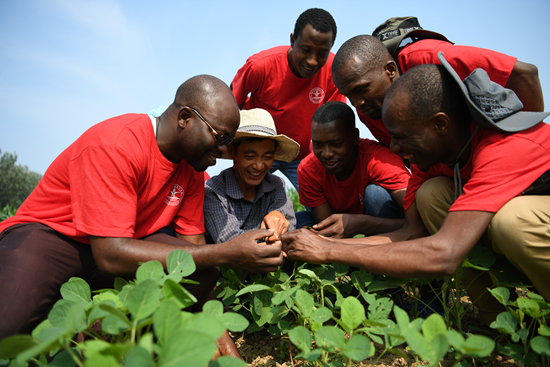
{"type": "Point", "coordinates": [282, 203]}
{"type": "Point", "coordinates": [463, 59]}
{"type": "Point", "coordinates": [190, 217]}
{"type": "Point", "coordinates": [247, 80]}
{"type": "Point", "coordinates": [220, 223]}
{"type": "Point", "coordinates": [500, 174]}
{"type": "Point", "coordinates": [103, 181]}
{"type": "Point", "coordinates": [311, 193]}
{"type": "Point", "coordinates": [387, 169]}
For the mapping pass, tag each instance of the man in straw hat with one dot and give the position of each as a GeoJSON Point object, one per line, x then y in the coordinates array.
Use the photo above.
{"type": "Point", "coordinates": [432, 126]}
{"type": "Point", "coordinates": [340, 180]}
{"type": "Point", "coordinates": [364, 68]}
{"type": "Point", "coordinates": [246, 196]}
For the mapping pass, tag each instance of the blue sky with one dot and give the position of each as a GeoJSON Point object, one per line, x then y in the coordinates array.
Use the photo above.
{"type": "Point", "coordinates": [68, 64]}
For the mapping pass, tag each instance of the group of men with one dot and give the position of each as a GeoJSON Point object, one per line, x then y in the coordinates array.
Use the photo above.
{"type": "Point", "coordinates": [472, 150]}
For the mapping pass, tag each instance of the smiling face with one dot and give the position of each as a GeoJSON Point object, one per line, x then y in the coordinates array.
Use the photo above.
{"type": "Point", "coordinates": [412, 138]}
{"type": "Point", "coordinates": [252, 160]}
{"type": "Point", "coordinates": [309, 51]}
{"type": "Point", "coordinates": [365, 86]}
{"type": "Point", "coordinates": [335, 146]}
{"type": "Point", "coordinates": [200, 146]}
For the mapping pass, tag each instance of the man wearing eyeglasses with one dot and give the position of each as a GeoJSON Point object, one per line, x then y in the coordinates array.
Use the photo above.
{"type": "Point", "coordinates": [96, 212]}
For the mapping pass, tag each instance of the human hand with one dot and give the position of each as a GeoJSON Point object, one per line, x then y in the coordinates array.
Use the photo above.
{"type": "Point", "coordinates": [306, 245]}
{"type": "Point", "coordinates": [277, 222]}
{"type": "Point", "coordinates": [334, 226]}
{"type": "Point", "coordinates": [249, 255]}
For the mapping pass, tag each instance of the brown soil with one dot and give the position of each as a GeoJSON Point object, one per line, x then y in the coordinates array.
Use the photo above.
{"type": "Point", "coordinates": [262, 349]}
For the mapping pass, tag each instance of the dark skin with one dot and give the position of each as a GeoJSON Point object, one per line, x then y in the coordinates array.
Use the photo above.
{"type": "Point", "coordinates": [182, 135]}
{"type": "Point", "coordinates": [335, 144]}
{"type": "Point", "coordinates": [409, 251]}
{"type": "Point", "coordinates": [366, 86]}
{"type": "Point", "coordinates": [308, 52]}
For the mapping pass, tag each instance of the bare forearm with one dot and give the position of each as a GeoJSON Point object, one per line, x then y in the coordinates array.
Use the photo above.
{"type": "Point", "coordinates": [369, 225]}
{"type": "Point", "coordinates": [124, 258]}
{"type": "Point", "coordinates": [524, 81]}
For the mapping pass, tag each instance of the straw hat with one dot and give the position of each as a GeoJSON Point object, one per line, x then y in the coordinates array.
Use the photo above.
{"type": "Point", "coordinates": [258, 123]}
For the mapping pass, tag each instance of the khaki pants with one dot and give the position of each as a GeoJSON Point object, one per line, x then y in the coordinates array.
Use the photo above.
{"type": "Point", "coordinates": [520, 230]}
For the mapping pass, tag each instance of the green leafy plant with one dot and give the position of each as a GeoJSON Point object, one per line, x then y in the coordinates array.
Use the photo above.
{"type": "Point", "coordinates": [295, 198]}
{"type": "Point", "coordinates": [7, 211]}
{"type": "Point", "coordinates": [142, 324]}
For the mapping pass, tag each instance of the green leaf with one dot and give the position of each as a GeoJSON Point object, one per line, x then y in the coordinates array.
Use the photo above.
{"type": "Point", "coordinates": [167, 319]}
{"type": "Point", "coordinates": [529, 306]}
{"type": "Point", "coordinates": [76, 289]}
{"type": "Point", "coordinates": [105, 306]}
{"type": "Point", "coordinates": [432, 351]}
{"type": "Point", "coordinates": [11, 346]}
{"type": "Point", "coordinates": [280, 297]}
{"type": "Point", "coordinates": [544, 330]}
{"type": "Point", "coordinates": [340, 269]}
{"type": "Point", "coordinates": [252, 288]}
{"type": "Point", "coordinates": [100, 360]}
{"type": "Point", "coordinates": [478, 346]}
{"type": "Point", "coordinates": [227, 361]}
{"type": "Point", "coordinates": [380, 309]}
{"type": "Point", "coordinates": [97, 313]}
{"type": "Point", "coordinates": [234, 322]}
{"type": "Point", "coordinates": [353, 313]}
{"type": "Point", "coordinates": [300, 337]}
{"type": "Point", "coordinates": [480, 258]}
{"type": "Point", "coordinates": [113, 325]}
{"type": "Point", "coordinates": [304, 300]}
{"type": "Point", "coordinates": [119, 283]}
{"type": "Point", "coordinates": [59, 312]}
{"type": "Point", "coordinates": [358, 347]}
{"type": "Point", "coordinates": [501, 294]}
{"type": "Point", "coordinates": [138, 357]}
{"type": "Point", "coordinates": [434, 325]}
{"type": "Point", "coordinates": [180, 261]}
{"type": "Point", "coordinates": [330, 337]}
{"type": "Point", "coordinates": [320, 315]}
{"type": "Point", "coordinates": [150, 270]}
{"type": "Point", "coordinates": [213, 308]}
{"type": "Point", "coordinates": [402, 318]}
{"type": "Point", "coordinates": [277, 313]}
{"type": "Point", "coordinates": [541, 345]}
{"type": "Point", "coordinates": [455, 339]}
{"type": "Point", "coordinates": [310, 355]}
{"type": "Point", "coordinates": [505, 323]}
{"type": "Point", "coordinates": [204, 324]}
{"type": "Point", "coordinates": [46, 324]}
{"type": "Point", "coordinates": [171, 289]}
{"type": "Point", "coordinates": [144, 299]}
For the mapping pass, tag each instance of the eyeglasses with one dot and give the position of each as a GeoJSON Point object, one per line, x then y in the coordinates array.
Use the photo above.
{"type": "Point", "coordinates": [221, 140]}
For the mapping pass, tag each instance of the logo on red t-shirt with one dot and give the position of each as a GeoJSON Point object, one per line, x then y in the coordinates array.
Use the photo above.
{"type": "Point", "coordinates": [175, 196]}
{"type": "Point", "coordinates": [316, 95]}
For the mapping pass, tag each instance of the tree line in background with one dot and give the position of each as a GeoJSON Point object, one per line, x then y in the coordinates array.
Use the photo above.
{"type": "Point", "coordinates": [16, 183]}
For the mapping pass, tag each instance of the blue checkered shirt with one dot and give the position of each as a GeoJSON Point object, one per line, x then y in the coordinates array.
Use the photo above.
{"type": "Point", "coordinates": [228, 214]}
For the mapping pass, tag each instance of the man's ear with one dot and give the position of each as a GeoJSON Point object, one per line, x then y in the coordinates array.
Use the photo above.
{"type": "Point", "coordinates": [391, 70]}
{"type": "Point", "coordinates": [441, 123]}
{"type": "Point", "coordinates": [356, 136]}
{"type": "Point", "coordinates": [292, 40]}
{"type": "Point", "coordinates": [183, 116]}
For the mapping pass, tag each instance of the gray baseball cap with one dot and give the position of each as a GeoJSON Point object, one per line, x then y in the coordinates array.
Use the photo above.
{"type": "Point", "coordinates": [491, 105]}
{"type": "Point", "coordinates": [394, 30]}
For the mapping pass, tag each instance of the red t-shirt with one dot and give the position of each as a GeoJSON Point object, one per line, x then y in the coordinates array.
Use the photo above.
{"type": "Point", "coordinates": [463, 59]}
{"type": "Point", "coordinates": [375, 164]}
{"type": "Point", "coordinates": [113, 181]}
{"type": "Point", "coordinates": [290, 100]}
{"type": "Point", "coordinates": [500, 167]}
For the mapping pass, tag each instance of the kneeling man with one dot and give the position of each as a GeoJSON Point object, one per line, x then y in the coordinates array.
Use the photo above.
{"type": "Point", "coordinates": [428, 112]}
{"type": "Point", "coordinates": [246, 196]}
{"type": "Point", "coordinates": [353, 186]}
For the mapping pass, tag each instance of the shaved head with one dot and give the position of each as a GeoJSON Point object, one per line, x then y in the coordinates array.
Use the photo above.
{"type": "Point", "coordinates": [431, 89]}
{"type": "Point", "coordinates": [200, 91]}
{"type": "Point", "coordinates": [372, 53]}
